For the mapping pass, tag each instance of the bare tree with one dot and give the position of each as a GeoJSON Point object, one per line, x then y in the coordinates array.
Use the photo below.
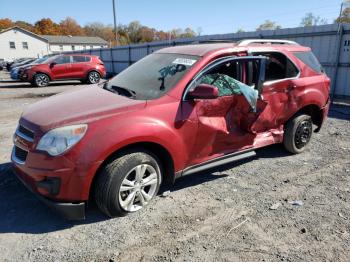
{"type": "Point", "coordinates": [310, 20]}
{"type": "Point", "coordinates": [268, 25]}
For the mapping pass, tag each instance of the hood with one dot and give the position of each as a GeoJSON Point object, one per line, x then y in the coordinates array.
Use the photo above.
{"type": "Point", "coordinates": [80, 106]}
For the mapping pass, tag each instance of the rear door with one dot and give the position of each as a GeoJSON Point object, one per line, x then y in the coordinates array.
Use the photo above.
{"type": "Point", "coordinates": [224, 123]}
{"type": "Point", "coordinates": [79, 66]}
{"type": "Point", "coordinates": [277, 92]}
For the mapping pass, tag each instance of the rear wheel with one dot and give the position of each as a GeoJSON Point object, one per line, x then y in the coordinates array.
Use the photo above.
{"type": "Point", "coordinates": [93, 77]}
{"type": "Point", "coordinates": [128, 183]}
{"type": "Point", "coordinates": [298, 133]}
{"type": "Point", "coordinates": [41, 80]}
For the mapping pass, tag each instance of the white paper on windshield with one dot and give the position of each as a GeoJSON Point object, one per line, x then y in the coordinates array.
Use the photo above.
{"type": "Point", "coordinates": [184, 61]}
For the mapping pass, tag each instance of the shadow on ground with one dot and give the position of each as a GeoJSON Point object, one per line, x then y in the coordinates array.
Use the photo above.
{"type": "Point", "coordinates": [272, 151]}
{"type": "Point", "coordinates": [22, 212]}
{"type": "Point", "coordinates": [15, 84]}
{"type": "Point", "coordinates": [340, 111]}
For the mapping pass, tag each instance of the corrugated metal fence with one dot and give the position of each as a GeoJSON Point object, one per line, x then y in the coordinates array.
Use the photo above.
{"type": "Point", "coordinates": [330, 43]}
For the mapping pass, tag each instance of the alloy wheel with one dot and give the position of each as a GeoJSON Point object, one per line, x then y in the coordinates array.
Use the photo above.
{"type": "Point", "coordinates": [42, 80]}
{"type": "Point", "coordinates": [94, 77]}
{"type": "Point", "coordinates": [138, 187]}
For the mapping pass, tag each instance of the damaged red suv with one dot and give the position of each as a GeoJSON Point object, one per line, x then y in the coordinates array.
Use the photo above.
{"type": "Point", "coordinates": [175, 112]}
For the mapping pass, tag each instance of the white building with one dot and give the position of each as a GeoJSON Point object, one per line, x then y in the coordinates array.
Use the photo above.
{"type": "Point", "coordinates": [16, 42]}
{"type": "Point", "coordinates": [58, 43]}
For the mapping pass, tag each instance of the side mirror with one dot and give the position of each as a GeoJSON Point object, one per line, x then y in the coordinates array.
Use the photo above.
{"type": "Point", "coordinates": [204, 91]}
{"type": "Point", "coordinates": [53, 64]}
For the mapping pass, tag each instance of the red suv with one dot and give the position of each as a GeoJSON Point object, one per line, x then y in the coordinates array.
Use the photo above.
{"type": "Point", "coordinates": [87, 68]}
{"type": "Point", "coordinates": [175, 112]}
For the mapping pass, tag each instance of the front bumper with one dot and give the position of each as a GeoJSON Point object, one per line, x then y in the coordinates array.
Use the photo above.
{"type": "Point", "coordinates": [69, 211]}
{"type": "Point", "coordinates": [14, 76]}
{"type": "Point", "coordinates": [61, 182]}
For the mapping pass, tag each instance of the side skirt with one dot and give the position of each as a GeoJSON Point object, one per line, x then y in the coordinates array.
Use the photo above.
{"type": "Point", "coordinates": [233, 157]}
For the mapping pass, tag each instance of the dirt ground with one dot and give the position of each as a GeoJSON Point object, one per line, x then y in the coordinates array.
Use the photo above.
{"type": "Point", "coordinates": [217, 215]}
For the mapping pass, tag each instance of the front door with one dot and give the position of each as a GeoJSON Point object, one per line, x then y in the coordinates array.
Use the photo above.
{"type": "Point", "coordinates": [224, 123]}
{"type": "Point", "coordinates": [59, 67]}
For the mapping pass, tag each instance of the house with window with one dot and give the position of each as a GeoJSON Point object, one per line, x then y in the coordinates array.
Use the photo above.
{"type": "Point", "coordinates": [16, 42]}
{"type": "Point", "coordinates": [59, 43]}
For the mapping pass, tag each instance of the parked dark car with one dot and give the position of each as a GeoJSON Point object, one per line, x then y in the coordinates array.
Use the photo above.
{"type": "Point", "coordinates": [87, 68]}
{"type": "Point", "coordinates": [16, 70]}
{"type": "Point", "coordinates": [178, 111]}
{"type": "Point", "coordinates": [21, 62]}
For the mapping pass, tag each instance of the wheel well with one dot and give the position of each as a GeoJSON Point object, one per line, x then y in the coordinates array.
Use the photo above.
{"type": "Point", "coordinates": [315, 112]}
{"type": "Point", "coordinates": [42, 73]}
{"type": "Point", "coordinates": [166, 161]}
{"type": "Point", "coordinates": [92, 70]}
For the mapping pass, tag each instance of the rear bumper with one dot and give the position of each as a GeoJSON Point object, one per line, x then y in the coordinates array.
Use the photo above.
{"type": "Point", "coordinates": [69, 211]}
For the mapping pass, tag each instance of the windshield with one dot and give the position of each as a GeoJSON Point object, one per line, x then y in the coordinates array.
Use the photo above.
{"type": "Point", "coordinates": [41, 60]}
{"type": "Point", "coordinates": [152, 76]}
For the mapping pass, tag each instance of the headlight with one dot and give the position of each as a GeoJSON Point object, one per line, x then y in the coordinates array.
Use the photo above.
{"type": "Point", "coordinates": [59, 140]}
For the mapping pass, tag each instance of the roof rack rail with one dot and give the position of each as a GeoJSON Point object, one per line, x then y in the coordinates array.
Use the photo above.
{"type": "Point", "coordinates": [212, 41]}
{"type": "Point", "coordinates": [266, 41]}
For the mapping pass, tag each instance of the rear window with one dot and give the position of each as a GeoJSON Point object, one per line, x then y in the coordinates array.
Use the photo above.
{"type": "Point", "coordinates": [310, 59]}
{"type": "Point", "coordinates": [80, 59]}
{"type": "Point", "coordinates": [278, 67]}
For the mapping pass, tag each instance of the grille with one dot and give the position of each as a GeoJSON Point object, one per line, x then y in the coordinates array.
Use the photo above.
{"type": "Point", "coordinates": [26, 132]}
{"type": "Point", "coordinates": [20, 154]}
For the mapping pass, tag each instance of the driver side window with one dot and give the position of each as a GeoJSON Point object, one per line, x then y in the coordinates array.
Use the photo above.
{"type": "Point", "coordinates": [62, 60]}
{"type": "Point", "coordinates": [227, 77]}
{"type": "Point", "coordinates": [235, 77]}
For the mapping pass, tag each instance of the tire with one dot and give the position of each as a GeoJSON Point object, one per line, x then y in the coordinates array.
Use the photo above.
{"type": "Point", "coordinates": [118, 183]}
{"type": "Point", "coordinates": [93, 77]}
{"type": "Point", "coordinates": [40, 80]}
{"type": "Point", "coordinates": [297, 134]}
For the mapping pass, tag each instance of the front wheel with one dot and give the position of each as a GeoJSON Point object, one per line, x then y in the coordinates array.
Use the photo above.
{"type": "Point", "coordinates": [297, 133]}
{"type": "Point", "coordinates": [41, 80]}
{"type": "Point", "coordinates": [128, 183]}
{"type": "Point", "coordinates": [93, 77]}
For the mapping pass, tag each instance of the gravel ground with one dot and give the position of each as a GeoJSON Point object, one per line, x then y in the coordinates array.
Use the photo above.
{"type": "Point", "coordinates": [240, 212]}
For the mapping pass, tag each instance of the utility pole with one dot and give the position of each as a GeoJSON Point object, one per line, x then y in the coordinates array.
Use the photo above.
{"type": "Point", "coordinates": [115, 23]}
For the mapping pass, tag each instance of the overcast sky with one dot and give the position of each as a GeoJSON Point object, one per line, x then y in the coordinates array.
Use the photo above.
{"type": "Point", "coordinates": [213, 16]}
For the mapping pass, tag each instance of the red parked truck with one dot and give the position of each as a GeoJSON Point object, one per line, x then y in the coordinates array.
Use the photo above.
{"type": "Point", "coordinates": [178, 111]}
{"type": "Point", "coordinates": [87, 68]}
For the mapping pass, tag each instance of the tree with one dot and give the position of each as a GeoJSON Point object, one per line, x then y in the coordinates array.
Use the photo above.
{"type": "Point", "coordinates": [25, 25]}
{"type": "Point", "coordinates": [310, 20]}
{"type": "Point", "coordinates": [134, 29]}
{"type": "Point", "coordinates": [199, 31]}
{"type": "Point", "coordinates": [345, 16]}
{"type": "Point", "coordinates": [188, 33]}
{"type": "Point", "coordinates": [98, 29]}
{"type": "Point", "coordinates": [147, 34]}
{"type": "Point", "coordinates": [268, 25]}
{"type": "Point", "coordinates": [46, 26]}
{"type": "Point", "coordinates": [240, 30]}
{"type": "Point", "coordinates": [134, 32]}
{"type": "Point", "coordinates": [5, 23]}
{"type": "Point", "coordinates": [69, 26]}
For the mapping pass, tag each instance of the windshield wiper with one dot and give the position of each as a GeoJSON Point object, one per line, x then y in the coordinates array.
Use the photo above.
{"type": "Point", "coordinates": [122, 91]}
